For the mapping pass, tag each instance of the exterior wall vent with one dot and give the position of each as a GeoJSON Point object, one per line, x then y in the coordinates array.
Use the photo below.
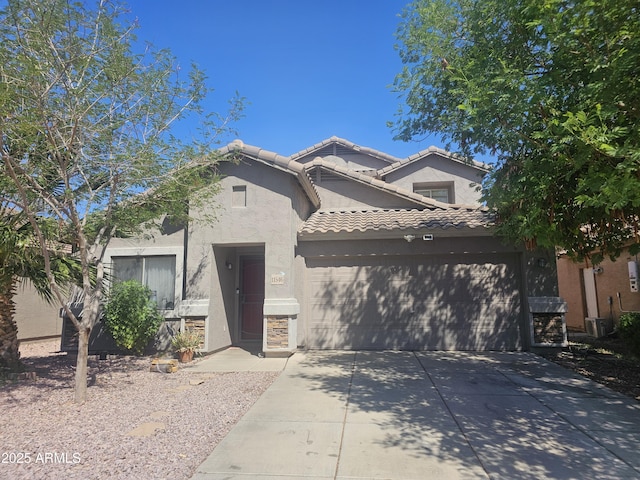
{"type": "Point", "coordinates": [341, 150]}
{"type": "Point", "coordinates": [329, 176]}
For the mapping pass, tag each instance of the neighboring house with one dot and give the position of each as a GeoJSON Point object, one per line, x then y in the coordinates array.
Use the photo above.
{"type": "Point", "coordinates": [597, 296]}
{"type": "Point", "coordinates": [343, 247]}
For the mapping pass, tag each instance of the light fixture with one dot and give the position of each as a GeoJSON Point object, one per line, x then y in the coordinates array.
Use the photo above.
{"type": "Point", "coordinates": [409, 238]}
{"type": "Point", "coordinates": [542, 262]}
{"type": "Point", "coordinates": [228, 264]}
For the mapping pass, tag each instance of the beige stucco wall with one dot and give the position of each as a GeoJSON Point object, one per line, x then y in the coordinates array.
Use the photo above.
{"type": "Point", "coordinates": [436, 169]}
{"type": "Point", "coordinates": [610, 278]}
{"type": "Point", "coordinates": [340, 194]}
{"type": "Point", "coordinates": [570, 286]}
{"type": "Point", "coordinates": [266, 225]}
{"type": "Point", "coordinates": [541, 271]}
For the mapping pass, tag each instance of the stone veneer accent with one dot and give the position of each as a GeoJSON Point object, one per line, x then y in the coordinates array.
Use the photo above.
{"type": "Point", "coordinates": [197, 325]}
{"type": "Point", "coordinates": [277, 332]}
{"type": "Point", "coordinates": [548, 328]}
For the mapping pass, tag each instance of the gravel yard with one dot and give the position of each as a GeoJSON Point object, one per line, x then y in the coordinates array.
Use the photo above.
{"type": "Point", "coordinates": [136, 424]}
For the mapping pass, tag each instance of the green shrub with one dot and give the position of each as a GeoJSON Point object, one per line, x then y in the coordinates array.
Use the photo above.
{"type": "Point", "coordinates": [130, 316]}
{"type": "Point", "coordinates": [630, 331]}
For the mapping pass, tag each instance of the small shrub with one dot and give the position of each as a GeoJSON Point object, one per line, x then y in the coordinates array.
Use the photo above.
{"type": "Point", "coordinates": [630, 331]}
{"type": "Point", "coordinates": [130, 316]}
{"type": "Point", "coordinates": [186, 341]}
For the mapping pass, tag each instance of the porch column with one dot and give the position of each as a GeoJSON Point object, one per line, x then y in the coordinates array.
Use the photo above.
{"type": "Point", "coordinates": [280, 326]}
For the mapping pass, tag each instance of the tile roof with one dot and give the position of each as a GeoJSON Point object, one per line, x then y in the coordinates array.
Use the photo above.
{"type": "Point", "coordinates": [390, 220]}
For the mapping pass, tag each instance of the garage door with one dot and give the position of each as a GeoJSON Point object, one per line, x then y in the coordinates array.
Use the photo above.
{"type": "Point", "coordinates": [447, 302]}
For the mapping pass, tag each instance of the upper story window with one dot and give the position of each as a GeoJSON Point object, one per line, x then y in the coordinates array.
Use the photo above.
{"type": "Point", "coordinates": [239, 196]}
{"type": "Point", "coordinates": [158, 272]}
{"type": "Point", "coordinates": [437, 191]}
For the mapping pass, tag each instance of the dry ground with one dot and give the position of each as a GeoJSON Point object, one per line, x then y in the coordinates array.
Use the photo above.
{"type": "Point", "coordinates": [135, 424]}
{"type": "Point", "coordinates": [605, 360]}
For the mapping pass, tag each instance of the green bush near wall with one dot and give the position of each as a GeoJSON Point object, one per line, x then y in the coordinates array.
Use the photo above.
{"type": "Point", "coordinates": [130, 316]}
{"type": "Point", "coordinates": [630, 331]}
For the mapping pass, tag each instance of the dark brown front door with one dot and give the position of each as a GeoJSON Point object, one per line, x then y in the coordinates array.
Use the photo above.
{"type": "Point", "coordinates": [251, 297]}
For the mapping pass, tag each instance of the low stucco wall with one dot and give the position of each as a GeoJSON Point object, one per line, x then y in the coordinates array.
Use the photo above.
{"type": "Point", "coordinates": [35, 317]}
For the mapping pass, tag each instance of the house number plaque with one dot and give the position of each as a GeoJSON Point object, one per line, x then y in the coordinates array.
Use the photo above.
{"type": "Point", "coordinates": [277, 279]}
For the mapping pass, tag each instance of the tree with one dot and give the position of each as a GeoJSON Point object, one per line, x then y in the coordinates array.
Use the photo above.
{"type": "Point", "coordinates": [86, 136]}
{"type": "Point", "coordinates": [20, 258]}
{"type": "Point", "coordinates": [550, 88]}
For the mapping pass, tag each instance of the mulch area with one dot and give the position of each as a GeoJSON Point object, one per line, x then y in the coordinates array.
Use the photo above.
{"type": "Point", "coordinates": [604, 360]}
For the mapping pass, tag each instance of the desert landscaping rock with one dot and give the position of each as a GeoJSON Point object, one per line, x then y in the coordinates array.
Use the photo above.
{"type": "Point", "coordinates": [57, 439]}
{"type": "Point", "coordinates": [147, 429]}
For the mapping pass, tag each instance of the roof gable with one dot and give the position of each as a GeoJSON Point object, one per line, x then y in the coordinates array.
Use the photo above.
{"type": "Point", "coordinates": [354, 156]}
{"type": "Point", "coordinates": [375, 183]}
{"type": "Point", "coordinates": [302, 164]}
{"type": "Point", "coordinates": [277, 161]}
{"type": "Point", "coordinates": [424, 156]}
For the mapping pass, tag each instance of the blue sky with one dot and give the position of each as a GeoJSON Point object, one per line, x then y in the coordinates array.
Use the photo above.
{"type": "Point", "coordinates": [309, 69]}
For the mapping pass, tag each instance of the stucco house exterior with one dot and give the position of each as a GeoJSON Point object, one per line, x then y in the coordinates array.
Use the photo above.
{"type": "Point", "coordinates": [341, 246]}
{"type": "Point", "coordinates": [598, 295]}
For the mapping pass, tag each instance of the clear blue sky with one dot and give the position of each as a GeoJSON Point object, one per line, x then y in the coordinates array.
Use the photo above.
{"type": "Point", "coordinates": [309, 69]}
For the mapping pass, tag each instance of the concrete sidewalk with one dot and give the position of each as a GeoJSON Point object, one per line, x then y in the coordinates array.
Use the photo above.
{"type": "Point", "coordinates": [236, 359]}
{"type": "Point", "coordinates": [405, 415]}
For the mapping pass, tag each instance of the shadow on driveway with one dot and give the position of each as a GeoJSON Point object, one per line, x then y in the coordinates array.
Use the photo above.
{"type": "Point", "coordinates": [417, 415]}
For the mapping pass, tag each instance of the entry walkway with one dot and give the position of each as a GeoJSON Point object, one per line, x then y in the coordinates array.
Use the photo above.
{"type": "Point", "coordinates": [238, 359]}
{"type": "Point", "coordinates": [405, 415]}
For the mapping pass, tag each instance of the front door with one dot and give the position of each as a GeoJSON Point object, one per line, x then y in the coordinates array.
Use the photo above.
{"type": "Point", "coordinates": [251, 297]}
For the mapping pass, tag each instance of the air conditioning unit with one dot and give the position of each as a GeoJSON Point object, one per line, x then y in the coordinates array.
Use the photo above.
{"type": "Point", "coordinates": [598, 327]}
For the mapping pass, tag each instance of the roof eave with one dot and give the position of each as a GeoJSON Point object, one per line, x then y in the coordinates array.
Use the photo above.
{"type": "Point", "coordinates": [435, 233]}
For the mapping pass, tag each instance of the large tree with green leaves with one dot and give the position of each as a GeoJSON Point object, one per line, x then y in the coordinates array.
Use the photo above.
{"type": "Point", "coordinates": [550, 87]}
{"type": "Point", "coordinates": [86, 135]}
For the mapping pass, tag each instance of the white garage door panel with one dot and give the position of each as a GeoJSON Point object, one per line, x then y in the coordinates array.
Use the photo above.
{"type": "Point", "coordinates": [462, 302]}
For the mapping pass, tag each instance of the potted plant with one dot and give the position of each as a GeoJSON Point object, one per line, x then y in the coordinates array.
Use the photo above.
{"type": "Point", "coordinates": [185, 344]}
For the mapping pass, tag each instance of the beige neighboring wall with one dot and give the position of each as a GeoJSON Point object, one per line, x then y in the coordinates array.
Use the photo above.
{"type": "Point", "coordinates": [570, 287]}
{"type": "Point", "coordinates": [36, 319]}
{"type": "Point", "coordinates": [611, 278]}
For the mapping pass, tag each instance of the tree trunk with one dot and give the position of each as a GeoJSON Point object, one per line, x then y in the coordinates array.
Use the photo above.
{"type": "Point", "coordinates": [9, 345]}
{"type": "Point", "coordinates": [81, 364]}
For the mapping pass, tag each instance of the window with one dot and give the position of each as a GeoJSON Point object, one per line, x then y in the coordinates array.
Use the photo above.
{"type": "Point", "coordinates": [439, 192]}
{"type": "Point", "coordinates": [239, 196]}
{"type": "Point", "coordinates": [156, 272]}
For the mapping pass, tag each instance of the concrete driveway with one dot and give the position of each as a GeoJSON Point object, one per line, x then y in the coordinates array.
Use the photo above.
{"type": "Point", "coordinates": [406, 415]}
